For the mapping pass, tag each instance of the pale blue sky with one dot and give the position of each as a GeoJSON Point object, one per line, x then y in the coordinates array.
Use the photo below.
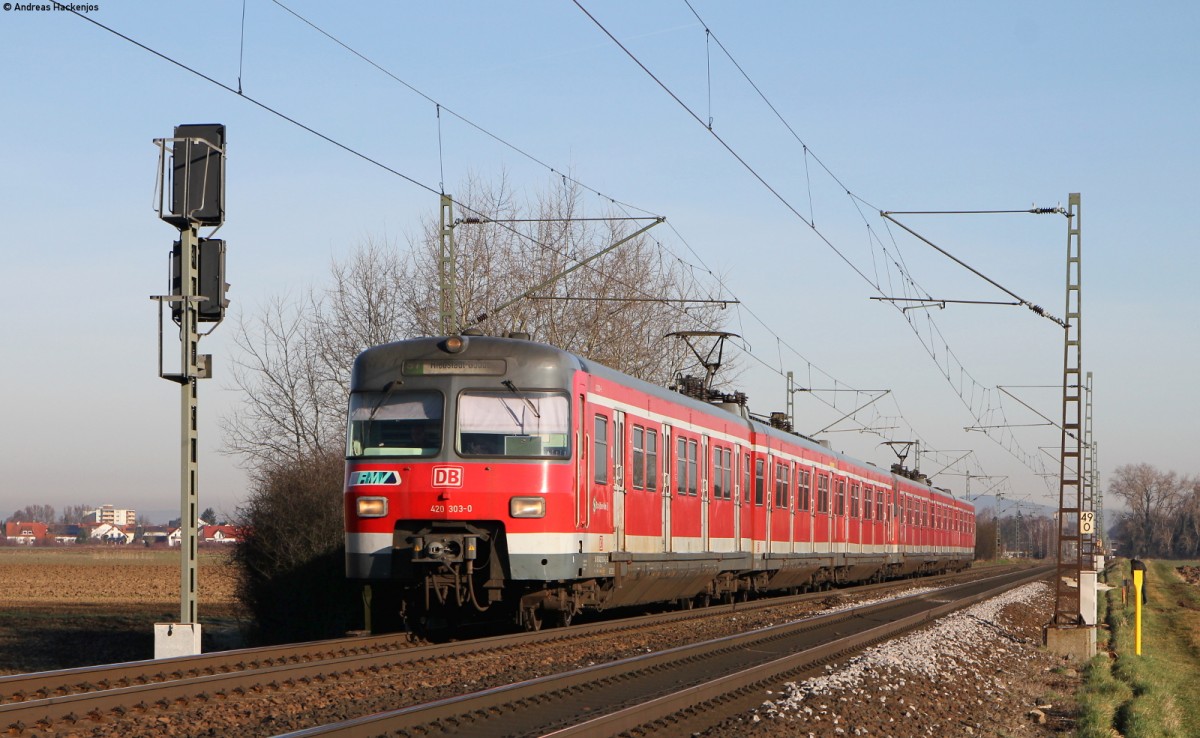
{"type": "Point", "coordinates": [912, 106]}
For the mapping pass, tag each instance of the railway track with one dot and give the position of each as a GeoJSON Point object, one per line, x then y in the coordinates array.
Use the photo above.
{"type": "Point", "coordinates": [666, 687]}
{"type": "Point", "coordinates": [49, 702]}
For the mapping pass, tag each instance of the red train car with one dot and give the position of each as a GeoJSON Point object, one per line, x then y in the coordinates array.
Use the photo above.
{"type": "Point", "coordinates": [503, 476]}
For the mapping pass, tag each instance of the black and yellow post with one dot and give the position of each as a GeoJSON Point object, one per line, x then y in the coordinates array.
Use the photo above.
{"type": "Point", "coordinates": [1139, 597]}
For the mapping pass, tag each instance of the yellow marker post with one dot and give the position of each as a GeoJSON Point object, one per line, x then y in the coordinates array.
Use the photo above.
{"type": "Point", "coordinates": [1139, 571]}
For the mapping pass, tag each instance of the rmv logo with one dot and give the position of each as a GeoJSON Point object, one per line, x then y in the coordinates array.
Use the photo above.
{"type": "Point", "coordinates": [376, 477]}
{"type": "Point", "coordinates": [447, 476]}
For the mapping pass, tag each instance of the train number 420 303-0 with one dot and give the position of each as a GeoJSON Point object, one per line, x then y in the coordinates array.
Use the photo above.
{"type": "Point", "coordinates": [449, 508]}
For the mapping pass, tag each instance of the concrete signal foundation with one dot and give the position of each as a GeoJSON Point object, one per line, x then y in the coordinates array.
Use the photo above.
{"type": "Point", "coordinates": [176, 639]}
{"type": "Point", "coordinates": [1072, 643]}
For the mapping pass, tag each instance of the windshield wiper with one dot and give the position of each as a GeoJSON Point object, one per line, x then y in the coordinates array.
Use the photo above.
{"type": "Point", "coordinates": [388, 389]}
{"type": "Point", "coordinates": [513, 388]}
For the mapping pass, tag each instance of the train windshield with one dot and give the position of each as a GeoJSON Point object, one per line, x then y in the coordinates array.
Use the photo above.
{"type": "Point", "coordinates": [513, 422]}
{"type": "Point", "coordinates": [395, 423]}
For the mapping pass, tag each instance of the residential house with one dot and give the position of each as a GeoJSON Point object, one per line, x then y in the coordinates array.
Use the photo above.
{"type": "Point", "coordinates": [219, 534]}
{"type": "Point", "coordinates": [109, 533]}
{"type": "Point", "coordinates": [26, 534]}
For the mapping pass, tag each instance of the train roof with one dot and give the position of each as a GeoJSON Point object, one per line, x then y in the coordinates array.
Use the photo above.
{"type": "Point", "coordinates": [544, 365]}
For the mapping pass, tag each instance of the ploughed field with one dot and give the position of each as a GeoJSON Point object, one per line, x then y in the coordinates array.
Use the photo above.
{"type": "Point", "coordinates": [69, 606]}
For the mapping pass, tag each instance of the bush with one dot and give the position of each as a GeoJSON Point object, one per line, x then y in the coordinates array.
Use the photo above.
{"type": "Point", "coordinates": [291, 560]}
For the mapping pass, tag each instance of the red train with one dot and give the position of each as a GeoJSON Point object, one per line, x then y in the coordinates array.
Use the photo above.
{"type": "Point", "coordinates": [508, 477]}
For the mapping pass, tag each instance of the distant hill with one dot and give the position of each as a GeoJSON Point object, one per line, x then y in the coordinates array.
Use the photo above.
{"type": "Point", "coordinates": [1009, 507]}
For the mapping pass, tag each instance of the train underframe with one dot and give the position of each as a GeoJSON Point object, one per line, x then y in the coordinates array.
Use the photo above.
{"type": "Point", "coordinates": [448, 573]}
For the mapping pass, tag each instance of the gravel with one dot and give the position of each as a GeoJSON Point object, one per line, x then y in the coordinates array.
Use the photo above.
{"type": "Point", "coordinates": [978, 672]}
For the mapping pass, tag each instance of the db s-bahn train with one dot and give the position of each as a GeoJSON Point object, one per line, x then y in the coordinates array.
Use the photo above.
{"type": "Point", "coordinates": [498, 476]}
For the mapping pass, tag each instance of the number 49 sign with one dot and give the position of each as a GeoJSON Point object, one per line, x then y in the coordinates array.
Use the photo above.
{"type": "Point", "coordinates": [1087, 522]}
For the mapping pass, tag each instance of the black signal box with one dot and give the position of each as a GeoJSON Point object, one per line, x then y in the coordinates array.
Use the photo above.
{"type": "Point", "coordinates": [211, 285]}
{"type": "Point", "coordinates": [198, 175]}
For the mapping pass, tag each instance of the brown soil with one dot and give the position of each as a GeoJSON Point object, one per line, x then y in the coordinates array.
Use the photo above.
{"type": "Point", "coordinates": [72, 606]}
{"type": "Point", "coordinates": [1190, 574]}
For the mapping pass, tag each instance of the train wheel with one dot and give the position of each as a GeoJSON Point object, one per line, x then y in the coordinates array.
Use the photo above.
{"type": "Point", "coordinates": [531, 618]}
{"type": "Point", "coordinates": [686, 603]}
{"type": "Point", "coordinates": [564, 618]}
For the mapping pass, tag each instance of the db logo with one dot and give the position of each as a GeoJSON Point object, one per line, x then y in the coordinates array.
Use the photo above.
{"type": "Point", "coordinates": [447, 476]}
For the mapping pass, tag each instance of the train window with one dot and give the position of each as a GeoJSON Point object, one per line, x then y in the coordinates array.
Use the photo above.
{"type": "Point", "coordinates": [746, 479]}
{"type": "Point", "coordinates": [868, 501]}
{"type": "Point", "coordinates": [691, 468]}
{"type": "Point", "coordinates": [728, 474]}
{"type": "Point", "coordinates": [600, 449]}
{"type": "Point", "coordinates": [855, 494]}
{"type": "Point", "coordinates": [645, 458]}
{"type": "Point", "coordinates": [639, 442]}
{"type": "Point", "coordinates": [681, 466]}
{"type": "Point", "coordinates": [822, 493]}
{"type": "Point", "coordinates": [759, 481]}
{"type": "Point", "coordinates": [802, 490]}
{"type": "Point", "coordinates": [651, 459]}
{"type": "Point", "coordinates": [395, 423]}
{"type": "Point", "coordinates": [880, 507]}
{"type": "Point", "coordinates": [783, 484]}
{"type": "Point", "coordinates": [523, 423]}
{"type": "Point", "coordinates": [839, 499]}
{"type": "Point", "coordinates": [639, 457]}
{"type": "Point", "coordinates": [722, 474]}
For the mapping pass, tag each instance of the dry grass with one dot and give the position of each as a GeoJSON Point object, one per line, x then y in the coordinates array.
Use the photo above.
{"type": "Point", "coordinates": [1156, 694]}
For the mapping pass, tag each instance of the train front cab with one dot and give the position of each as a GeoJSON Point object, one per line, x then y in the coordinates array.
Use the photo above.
{"type": "Point", "coordinates": [461, 476]}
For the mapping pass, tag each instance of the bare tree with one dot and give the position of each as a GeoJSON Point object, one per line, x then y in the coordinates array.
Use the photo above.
{"type": "Point", "coordinates": [75, 513]}
{"type": "Point", "coordinates": [296, 354]}
{"type": "Point", "coordinates": [615, 310]}
{"type": "Point", "coordinates": [1152, 497]}
{"type": "Point", "coordinates": [1185, 537]}
{"type": "Point", "coordinates": [288, 410]}
{"type": "Point", "coordinates": [33, 514]}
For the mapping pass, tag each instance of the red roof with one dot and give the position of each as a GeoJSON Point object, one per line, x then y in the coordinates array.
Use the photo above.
{"type": "Point", "coordinates": [16, 530]}
{"type": "Point", "coordinates": [227, 532]}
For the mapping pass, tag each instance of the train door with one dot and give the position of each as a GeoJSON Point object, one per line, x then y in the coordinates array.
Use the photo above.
{"type": "Point", "coordinates": [705, 498]}
{"type": "Point", "coordinates": [761, 533]}
{"type": "Point", "coordinates": [686, 513]}
{"type": "Point", "coordinates": [723, 521]}
{"type": "Point", "coordinates": [802, 517]}
{"type": "Point", "coordinates": [583, 465]}
{"type": "Point", "coordinates": [837, 518]}
{"type": "Point", "coordinates": [867, 540]}
{"type": "Point", "coordinates": [779, 509]}
{"type": "Point", "coordinates": [666, 487]}
{"type": "Point", "coordinates": [745, 524]}
{"type": "Point", "coordinates": [895, 531]}
{"type": "Point", "coordinates": [822, 540]}
{"type": "Point", "coordinates": [762, 504]}
{"type": "Point", "coordinates": [854, 519]}
{"type": "Point", "coordinates": [735, 490]}
{"type": "Point", "coordinates": [601, 478]}
{"type": "Point", "coordinates": [618, 459]}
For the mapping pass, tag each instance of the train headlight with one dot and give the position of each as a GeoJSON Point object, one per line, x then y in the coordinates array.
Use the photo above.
{"type": "Point", "coordinates": [527, 507]}
{"type": "Point", "coordinates": [371, 507]}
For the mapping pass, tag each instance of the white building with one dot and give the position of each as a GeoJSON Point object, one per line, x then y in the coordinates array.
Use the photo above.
{"type": "Point", "coordinates": [112, 516]}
